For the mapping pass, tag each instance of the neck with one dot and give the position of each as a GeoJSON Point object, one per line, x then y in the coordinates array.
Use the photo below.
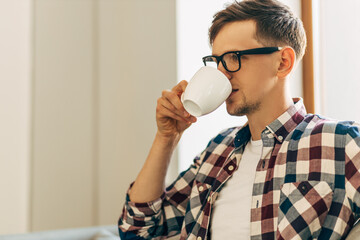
{"type": "Point", "coordinates": [271, 108]}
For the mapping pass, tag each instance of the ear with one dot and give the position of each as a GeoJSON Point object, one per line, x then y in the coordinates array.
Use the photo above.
{"type": "Point", "coordinates": [287, 62]}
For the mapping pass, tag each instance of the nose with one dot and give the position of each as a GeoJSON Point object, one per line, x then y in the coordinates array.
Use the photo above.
{"type": "Point", "coordinates": [223, 70]}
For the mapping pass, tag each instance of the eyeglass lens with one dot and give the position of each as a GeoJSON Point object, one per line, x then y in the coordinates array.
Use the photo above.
{"type": "Point", "coordinates": [231, 61]}
{"type": "Point", "coordinates": [211, 61]}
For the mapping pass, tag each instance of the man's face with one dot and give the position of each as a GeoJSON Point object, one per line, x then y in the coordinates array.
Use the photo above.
{"type": "Point", "coordinates": [252, 85]}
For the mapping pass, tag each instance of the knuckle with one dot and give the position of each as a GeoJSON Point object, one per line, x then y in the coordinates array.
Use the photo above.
{"type": "Point", "coordinates": [171, 95]}
{"type": "Point", "coordinates": [160, 101]}
{"type": "Point", "coordinates": [174, 116]}
{"type": "Point", "coordinates": [164, 92]}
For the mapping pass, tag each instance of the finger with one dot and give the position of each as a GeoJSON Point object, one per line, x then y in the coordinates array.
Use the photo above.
{"type": "Point", "coordinates": [180, 87]}
{"type": "Point", "coordinates": [165, 103]}
{"type": "Point", "coordinates": [174, 100]}
{"type": "Point", "coordinates": [164, 112]}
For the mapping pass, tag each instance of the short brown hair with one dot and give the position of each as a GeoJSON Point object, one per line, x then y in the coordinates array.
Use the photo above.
{"type": "Point", "coordinates": [276, 25]}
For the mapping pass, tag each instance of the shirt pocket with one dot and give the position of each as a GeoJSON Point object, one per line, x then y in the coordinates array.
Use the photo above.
{"type": "Point", "coordinates": [303, 208]}
{"type": "Point", "coordinates": [200, 192]}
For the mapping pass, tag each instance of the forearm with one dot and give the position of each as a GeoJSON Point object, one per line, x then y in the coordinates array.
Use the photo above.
{"type": "Point", "coordinates": [149, 184]}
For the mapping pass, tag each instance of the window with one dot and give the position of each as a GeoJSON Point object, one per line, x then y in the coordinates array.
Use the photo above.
{"type": "Point", "coordinates": [337, 58]}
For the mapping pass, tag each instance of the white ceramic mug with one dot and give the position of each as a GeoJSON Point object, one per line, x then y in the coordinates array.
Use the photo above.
{"type": "Point", "coordinates": [206, 91]}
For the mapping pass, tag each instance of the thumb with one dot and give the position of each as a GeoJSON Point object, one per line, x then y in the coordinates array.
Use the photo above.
{"type": "Point", "coordinates": [180, 87]}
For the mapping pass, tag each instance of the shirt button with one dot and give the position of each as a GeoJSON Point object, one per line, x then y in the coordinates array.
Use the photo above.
{"type": "Point", "coordinates": [201, 188]}
{"type": "Point", "coordinates": [280, 138]}
{"type": "Point", "coordinates": [199, 238]}
{"type": "Point", "coordinates": [231, 167]}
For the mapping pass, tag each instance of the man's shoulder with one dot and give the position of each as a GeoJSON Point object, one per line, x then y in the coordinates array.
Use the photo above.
{"type": "Point", "coordinates": [315, 124]}
{"type": "Point", "coordinates": [227, 133]}
{"type": "Point", "coordinates": [224, 137]}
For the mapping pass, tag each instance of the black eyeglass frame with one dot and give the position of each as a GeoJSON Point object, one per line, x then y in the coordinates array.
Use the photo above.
{"type": "Point", "coordinates": [253, 51]}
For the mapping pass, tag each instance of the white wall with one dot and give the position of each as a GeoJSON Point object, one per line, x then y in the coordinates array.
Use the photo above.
{"type": "Point", "coordinates": [137, 60]}
{"type": "Point", "coordinates": [64, 115]}
{"type": "Point", "coordinates": [338, 62]}
{"type": "Point", "coordinates": [77, 129]}
{"type": "Point", "coordinates": [15, 88]}
{"type": "Point", "coordinates": [100, 66]}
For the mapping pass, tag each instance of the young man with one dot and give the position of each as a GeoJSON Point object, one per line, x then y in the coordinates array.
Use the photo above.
{"type": "Point", "coordinates": [284, 175]}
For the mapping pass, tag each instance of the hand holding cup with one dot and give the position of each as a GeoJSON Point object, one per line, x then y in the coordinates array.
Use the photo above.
{"type": "Point", "coordinates": [206, 91]}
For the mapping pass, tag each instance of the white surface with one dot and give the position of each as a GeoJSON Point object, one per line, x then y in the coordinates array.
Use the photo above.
{"type": "Point", "coordinates": [339, 62]}
{"type": "Point", "coordinates": [15, 107]}
{"type": "Point", "coordinates": [234, 200]}
{"type": "Point", "coordinates": [88, 233]}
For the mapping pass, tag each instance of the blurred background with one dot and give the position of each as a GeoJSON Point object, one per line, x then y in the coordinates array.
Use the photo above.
{"type": "Point", "coordinates": [79, 80]}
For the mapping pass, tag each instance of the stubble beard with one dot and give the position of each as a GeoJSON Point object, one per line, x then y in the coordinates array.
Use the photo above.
{"type": "Point", "coordinates": [246, 108]}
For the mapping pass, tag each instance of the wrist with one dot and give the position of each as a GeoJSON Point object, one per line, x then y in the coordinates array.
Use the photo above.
{"type": "Point", "coordinates": [167, 139]}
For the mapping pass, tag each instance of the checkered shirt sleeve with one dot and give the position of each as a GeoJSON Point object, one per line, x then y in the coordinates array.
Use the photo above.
{"type": "Point", "coordinates": [162, 217]}
{"type": "Point", "coordinates": [352, 168]}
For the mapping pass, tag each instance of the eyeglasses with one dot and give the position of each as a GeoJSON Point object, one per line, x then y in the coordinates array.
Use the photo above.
{"type": "Point", "coordinates": [231, 60]}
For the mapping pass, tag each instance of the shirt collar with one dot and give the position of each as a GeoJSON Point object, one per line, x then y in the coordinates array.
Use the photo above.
{"type": "Point", "coordinates": [288, 121]}
{"type": "Point", "coordinates": [280, 127]}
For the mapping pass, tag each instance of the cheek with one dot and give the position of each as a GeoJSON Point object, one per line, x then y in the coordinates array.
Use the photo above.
{"type": "Point", "coordinates": [263, 73]}
{"type": "Point", "coordinates": [256, 83]}
{"type": "Point", "coordinates": [255, 78]}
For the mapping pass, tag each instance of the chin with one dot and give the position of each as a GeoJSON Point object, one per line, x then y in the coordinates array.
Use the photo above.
{"type": "Point", "coordinates": [237, 114]}
{"type": "Point", "coordinates": [233, 110]}
{"type": "Point", "coordinates": [241, 110]}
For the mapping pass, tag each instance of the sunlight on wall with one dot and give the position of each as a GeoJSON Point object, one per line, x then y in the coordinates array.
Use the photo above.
{"type": "Point", "coordinates": [193, 21]}
{"type": "Point", "coordinates": [338, 61]}
{"type": "Point", "coordinates": [15, 115]}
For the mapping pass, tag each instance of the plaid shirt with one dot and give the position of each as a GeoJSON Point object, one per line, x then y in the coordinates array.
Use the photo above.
{"type": "Point", "coordinates": [307, 183]}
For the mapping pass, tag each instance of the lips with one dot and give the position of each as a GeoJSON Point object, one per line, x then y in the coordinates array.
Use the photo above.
{"type": "Point", "coordinates": [233, 92]}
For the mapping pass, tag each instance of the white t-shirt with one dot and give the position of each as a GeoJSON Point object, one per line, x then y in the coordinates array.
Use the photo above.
{"type": "Point", "coordinates": [231, 210]}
